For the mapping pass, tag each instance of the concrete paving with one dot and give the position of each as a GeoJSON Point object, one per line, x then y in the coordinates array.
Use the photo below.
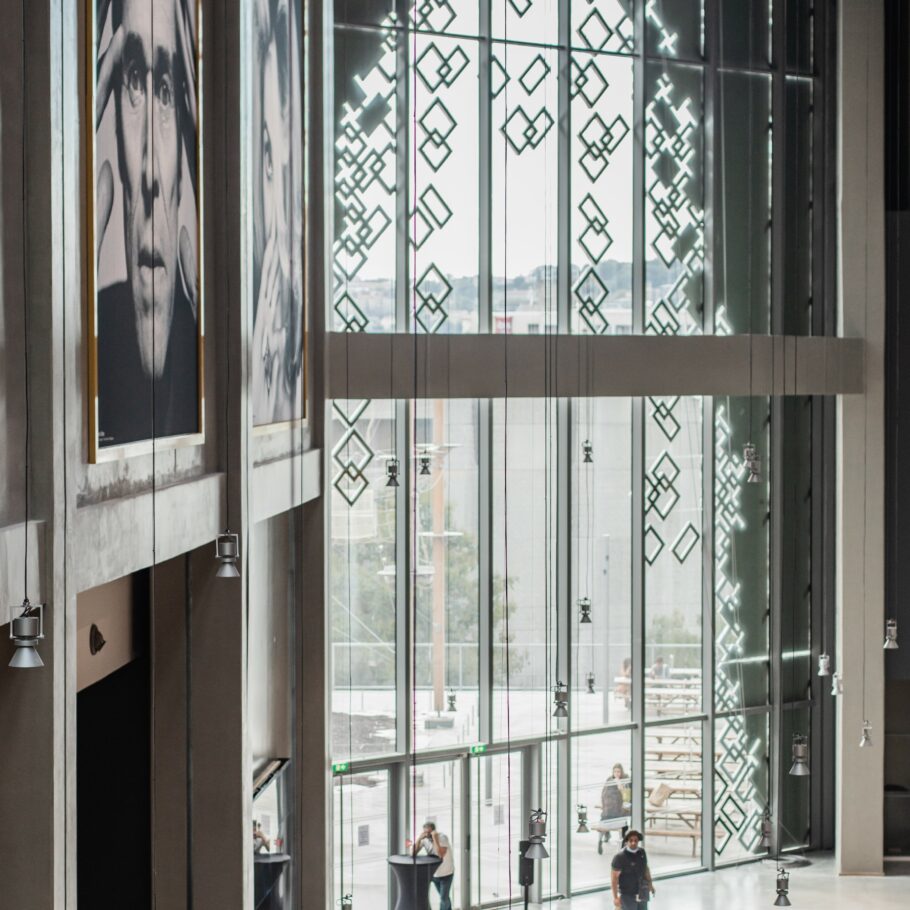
{"type": "Point", "coordinates": [750, 887]}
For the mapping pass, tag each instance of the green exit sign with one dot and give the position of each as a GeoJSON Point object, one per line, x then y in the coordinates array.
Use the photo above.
{"type": "Point", "coordinates": [478, 749]}
{"type": "Point", "coordinates": [339, 767]}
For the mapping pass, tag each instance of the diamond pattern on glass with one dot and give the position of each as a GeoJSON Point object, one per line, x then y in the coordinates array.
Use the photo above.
{"type": "Point", "coordinates": [436, 125]}
{"type": "Point", "coordinates": [435, 69]}
{"type": "Point", "coordinates": [535, 73]}
{"type": "Point", "coordinates": [432, 290]}
{"type": "Point", "coordinates": [588, 82]}
{"type": "Point", "coordinates": [663, 416]}
{"type": "Point", "coordinates": [600, 141]}
{"type": "Point", "coordinates": [685, 542]}
{"type": "Point", "coordinates": [351, 454]}
{"type": "Point", "coordinates": [524, 131]}
{"type": "Point", "coordinates": [591, 292]}
{"type": "Point", "coordinates": [433, 15]}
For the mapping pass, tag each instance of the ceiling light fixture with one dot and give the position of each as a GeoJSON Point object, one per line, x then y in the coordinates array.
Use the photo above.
{"type": "Point", "coordinates": [584, 605]}
{"type": "Point", "coordinates": [537, 834]}
{"type": "Point", "coordinates": [783, 888]}
{"type": "Point", "coordinates": [226, 550]}
{"type": "Point", "coordinates": [391, 472]}
{"type": "Point", "coordinates": [25, 630]}
{"type": "Point", "coordinates": [800, 766]}
{"type": "Point", "coordinates": [560, 700]}
{"type": "Point", "coordinates": [582, 819]}
{"type": "Point", "coordinates": [752, 461]}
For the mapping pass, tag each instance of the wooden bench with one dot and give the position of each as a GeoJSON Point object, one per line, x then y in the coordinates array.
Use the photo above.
{"type": "Point", "coordinates": [606, 826]}
{"type": "Point", "coordinates": [673, 832]}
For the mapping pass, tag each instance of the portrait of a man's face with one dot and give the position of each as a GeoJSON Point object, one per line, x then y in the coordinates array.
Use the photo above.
{"type": "Point", "coordinates": [146, 223]}
{"type": "Point", "coordinates": [277, 206]}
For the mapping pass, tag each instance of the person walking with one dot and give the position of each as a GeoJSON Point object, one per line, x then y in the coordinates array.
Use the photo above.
{"type": "Point", "coordinates": [631, 877]}
{"type": "Point", "coordinates": [437, 844]}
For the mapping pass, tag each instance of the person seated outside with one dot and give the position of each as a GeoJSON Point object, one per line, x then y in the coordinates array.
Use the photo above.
{"type": "Point", "coordinates": [659, 669]}
{"type": "Point", "coordinates": [615, 802]}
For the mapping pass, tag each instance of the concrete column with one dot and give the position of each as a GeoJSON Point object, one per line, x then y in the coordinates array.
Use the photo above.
{"type": "Point", "coordinates": [860, 457]}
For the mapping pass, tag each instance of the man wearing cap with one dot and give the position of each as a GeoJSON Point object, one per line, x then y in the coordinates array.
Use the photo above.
{"type": "Point", "coordinates": [631, 877]}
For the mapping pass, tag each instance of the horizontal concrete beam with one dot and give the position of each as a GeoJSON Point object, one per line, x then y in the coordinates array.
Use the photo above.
{"type": "Point", "coordinates": [115, 538]}
{"type": "Point", "coordinates": [285, 483]}
{"type": "Point", "coordinates": [535, 366]}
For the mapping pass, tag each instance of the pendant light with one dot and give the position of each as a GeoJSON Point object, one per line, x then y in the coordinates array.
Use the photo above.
{"type": "Point", "coordinates": [783, 888]}
{"type": "Point", "coordinates": [866, 739]}
{"type": "Point", "coordinates": [824, 665]}
{"type": "Point", "coordinates": [452, 707]}
{"type": "Point", "coordinates": [26, 629]}
{"type": "Point", "coordinates": [582, 811]}
{"type": "Point", "coordinates": [837, 684]}
{"type": "Point", "coordinates": [425, 465]}
{"type": "Point", "coordinates": [752, 462]}
{"type": "Point", "coordinates": [560, 700]}
{"type": "Point", "coordinates": [800, 766]}
{"type": "Point", "coordinates": [537, 834]}
{"type": "Point", "coordinates": [391, 472]}
{"type": "Point", "coordinates": [584, 606]}
{"type": "Point", "coordinates": [226, 551]}
{"type": "Point", "coordinates": [891, 635]}
{"type": "Point", "coordinates": [766, 830]}
{"type": "Point", "coordinates": [589, 681]}
{"type": "Point", "coordinates": [588, 452]}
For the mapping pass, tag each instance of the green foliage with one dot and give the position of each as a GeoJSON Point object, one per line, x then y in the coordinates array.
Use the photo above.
{"type": "Point", "coordinates": [372, 597]}
{"type": "Point", "coordinates": [673, 629]}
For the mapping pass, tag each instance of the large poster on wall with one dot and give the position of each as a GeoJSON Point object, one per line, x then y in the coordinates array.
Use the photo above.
{"type": "Point", "coordinates": [277, 205]}
{"type": "Point", "coordinates": [145, 312]}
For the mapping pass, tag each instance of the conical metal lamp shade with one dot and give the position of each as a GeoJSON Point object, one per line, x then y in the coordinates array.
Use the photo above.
{"type": "Point", "coordinates": [227, 570]}
{"type": "Point", "coordinates": [26, 658]}
{"type": "Point", "coordinates": [782, 900]}
{"type": "Point", "coordinates": [537, 851]}
{"type": "Point", "coordinates": [799, 768]}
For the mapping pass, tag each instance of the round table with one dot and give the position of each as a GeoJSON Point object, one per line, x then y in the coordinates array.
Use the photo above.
{"type": "Point", "coordinates": [412, 878]}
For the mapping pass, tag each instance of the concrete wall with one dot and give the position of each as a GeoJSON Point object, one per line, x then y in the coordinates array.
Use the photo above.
{"type": "Point", "coordinates": [94, 524]}
{"type": "Point", "coordinates": [271, 596]}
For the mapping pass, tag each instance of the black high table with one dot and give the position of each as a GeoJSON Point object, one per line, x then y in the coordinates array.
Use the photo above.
{"type": "Point", "coordinates": [412, 876]}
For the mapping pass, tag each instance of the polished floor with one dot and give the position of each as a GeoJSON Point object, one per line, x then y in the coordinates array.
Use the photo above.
{"type": "Point", "coordinates": [750, 887]}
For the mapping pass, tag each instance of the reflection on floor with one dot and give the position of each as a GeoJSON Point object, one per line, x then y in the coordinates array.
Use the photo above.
{"type": "Point", "coordinates": [750, 887]}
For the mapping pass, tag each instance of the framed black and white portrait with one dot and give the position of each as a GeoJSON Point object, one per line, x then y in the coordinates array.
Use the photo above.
{"type": "Point", "coordinates": [144, 225]}
{"type": "Point", "coordinates": [277, 205]}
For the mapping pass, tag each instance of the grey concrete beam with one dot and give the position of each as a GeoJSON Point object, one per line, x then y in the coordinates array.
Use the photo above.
{"type": "Point", "coordinates": [115, 538]}
{"type": "Point", "coordinates": [285, 483]}
{"type": "Point", "coordinates": [474, 366]}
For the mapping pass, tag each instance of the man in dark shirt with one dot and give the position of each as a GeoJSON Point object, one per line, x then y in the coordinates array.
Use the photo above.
{"type": "Point", "coordinates": [631, 878]}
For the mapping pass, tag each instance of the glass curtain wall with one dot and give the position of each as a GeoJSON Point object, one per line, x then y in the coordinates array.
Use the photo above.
{"type": "Point", "coordinates": [488, 178]}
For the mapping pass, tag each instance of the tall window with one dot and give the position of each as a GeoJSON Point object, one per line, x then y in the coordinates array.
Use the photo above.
{"type": "Point", "coordinates": [582, 167]}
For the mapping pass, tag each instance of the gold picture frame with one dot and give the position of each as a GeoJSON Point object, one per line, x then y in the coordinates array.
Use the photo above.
{"type": "Point", "coordinates": [136, 275]}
